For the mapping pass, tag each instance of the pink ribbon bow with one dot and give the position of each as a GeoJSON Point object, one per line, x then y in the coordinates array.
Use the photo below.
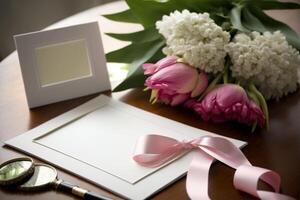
{"type": "Point", "coordinates": [155, 150]}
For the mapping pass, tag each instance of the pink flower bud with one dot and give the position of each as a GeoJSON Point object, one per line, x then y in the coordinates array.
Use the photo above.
{"type": "Point", "coordinates": [228, 102]}
{"type": "Point", "coordinates": [173, 82]}
{"type": "Point", "coordinates": [150, 68]}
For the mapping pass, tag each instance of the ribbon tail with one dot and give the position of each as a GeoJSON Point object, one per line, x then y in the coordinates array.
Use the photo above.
{"type": "Point", "coordinates": [246, 179]}
{"type": "Point", "coordinates": [197, 176]}
{"type": "Point", "coordinates": [265, 195]}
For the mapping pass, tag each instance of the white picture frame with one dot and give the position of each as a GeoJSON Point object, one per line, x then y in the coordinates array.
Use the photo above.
{"type": "Point", "coordinates": [96, 141]}
{"type": "Point", "coordinates": [62, 63]}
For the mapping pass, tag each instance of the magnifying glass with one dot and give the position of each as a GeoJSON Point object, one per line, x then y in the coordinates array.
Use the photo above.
{"type": "Point", "coordinates": [15, 171]}
{"type": "Point", "coordinates": [32, 177]}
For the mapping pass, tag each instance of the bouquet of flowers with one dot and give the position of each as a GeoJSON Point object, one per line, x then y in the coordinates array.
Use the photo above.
{"type": "Point", "coordinates": [221, 58]}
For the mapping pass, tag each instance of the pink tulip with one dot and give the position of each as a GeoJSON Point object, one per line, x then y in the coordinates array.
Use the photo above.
{"type": "Point", "coordinates": [150, 68]}
{"type": "Point", "coordinates": [173, 82]}
{"type": "Point", "coordinates": [228, 102]}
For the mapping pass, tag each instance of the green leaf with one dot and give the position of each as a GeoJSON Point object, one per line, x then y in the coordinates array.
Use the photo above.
{"type": "Point", "coordinates": [273, 25]}
{"type": "Point", "coordinates": [137, 79]}
{"type": "Point", "coordinates": [150, 11]}
{"type": "Point", "coordinates": [157, 56]}
{"type": "Point", "coordinates": [262, 102]}
{"type": "Point", "coordinates": [147, 35]}
{"type": "Point", "coordinates": [217, 6]}
{"type": "Point", "coordinates": [124, 16]}
{"type": "Point", "coordinates": [251, 22]}
{"type": "Point", "coordinates": [236, 20]}
{"type": "Point", "coordinates": [131, 52]}
{"type": "Point", "coordinates": [135, 76]}
{"type": "Point", "coordinates": [146, 55]}
{"type": "Point", "coordinates": [272, 4]}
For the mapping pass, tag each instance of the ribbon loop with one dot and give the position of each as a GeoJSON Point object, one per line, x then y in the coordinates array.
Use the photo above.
{"type": "Point", "coordinates": [155, 150]}
{"type": "Point", "coordinates": [246, 179]}
{"type": "Point", "coordinates": [224, 151]}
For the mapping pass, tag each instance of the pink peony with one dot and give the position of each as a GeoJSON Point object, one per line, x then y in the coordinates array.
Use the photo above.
{"type": "Point", "coordinates": [173, 82]}
{"type": "Point", "coordinates": [228, 102]}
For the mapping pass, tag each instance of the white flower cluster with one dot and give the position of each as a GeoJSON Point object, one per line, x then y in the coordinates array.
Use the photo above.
{"type": "Point", "coordinates": [267, 60]}
{"type": "Point", "coordinates": [196, 38]}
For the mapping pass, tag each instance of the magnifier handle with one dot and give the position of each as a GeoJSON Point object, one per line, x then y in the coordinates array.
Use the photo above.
{"type": "Point", "coordinates": [75, 190]}
{"type": "Point", "coordinates": [94, 196]}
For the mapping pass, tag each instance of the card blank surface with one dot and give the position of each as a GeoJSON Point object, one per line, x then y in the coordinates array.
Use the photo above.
{"type": "Point", "coordinates": [62, 62]}
{"type": "Point", "coordinates": [98, 139]}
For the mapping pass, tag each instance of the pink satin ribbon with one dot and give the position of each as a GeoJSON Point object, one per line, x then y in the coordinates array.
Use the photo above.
{"type": "Point", "coordinates": [155, 150]}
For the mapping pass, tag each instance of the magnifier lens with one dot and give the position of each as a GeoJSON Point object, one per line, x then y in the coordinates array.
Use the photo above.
{"type": "Point", "coordinates": [15, 170]}
{"type": "Point", "coordinates": [42, 177]}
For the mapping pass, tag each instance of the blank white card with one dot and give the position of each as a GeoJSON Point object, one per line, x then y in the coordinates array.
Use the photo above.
{"type": "Point", "coordinates": [96, 141]}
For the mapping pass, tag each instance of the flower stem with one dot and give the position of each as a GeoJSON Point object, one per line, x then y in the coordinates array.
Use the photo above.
{"type": "Point", "coordinates": [211, 86]}
{"type": "Point", "coordinates": [225, 75]}
{"type": "Point", "coordinates": [253, 127]}
{"type": "Point", "coordinates": [262, 103]}
{"type": "Point", "coordinates": [226, 69]}
{"type": "Point", "coordinates": [254, 98]}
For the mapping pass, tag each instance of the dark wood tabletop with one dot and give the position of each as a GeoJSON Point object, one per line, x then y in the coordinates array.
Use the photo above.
{"type": "Point", "coordinates": [277, 149]}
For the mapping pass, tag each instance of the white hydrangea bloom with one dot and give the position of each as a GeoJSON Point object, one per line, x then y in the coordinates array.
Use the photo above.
{"type": "Point", "coordinates": [267, 60]}
{"type": "Point", "coordinates": [196, 38]}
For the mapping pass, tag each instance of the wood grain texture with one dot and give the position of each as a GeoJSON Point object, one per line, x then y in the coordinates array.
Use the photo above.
{"type": "Point", "coordinates": [277, 149]}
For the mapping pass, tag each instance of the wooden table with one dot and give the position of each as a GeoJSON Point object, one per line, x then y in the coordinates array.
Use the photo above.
{"type": "Point", "coordinates": [277, 149]}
